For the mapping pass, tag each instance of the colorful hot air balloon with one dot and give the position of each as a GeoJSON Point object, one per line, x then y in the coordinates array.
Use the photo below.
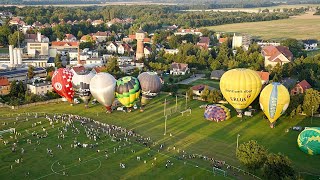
{"type": "Point", "coordinates": [150, 86]}
{"type": "Point", "coordinates": [309, 140]}
{"type": "Point", "coordinates": [81, 83]}
{"type": "Point", "coordinates": [102, 87]}
{"type": "Point", "coordinates": [61, 83]}
{"type": "Point", "coordinates": [240, 87]}
{"type": "Point", "coordinates": [216, 112]}
{"type": "Point", "coordinates": [274, 101]}
{"type": "Point", "coordinates": [128, 90]}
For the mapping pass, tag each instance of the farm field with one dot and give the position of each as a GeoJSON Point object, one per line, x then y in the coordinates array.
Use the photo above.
{"type": "Point", "coordinates": [299, 27]}
{"type": "Point", "coordinates": [189, 133]}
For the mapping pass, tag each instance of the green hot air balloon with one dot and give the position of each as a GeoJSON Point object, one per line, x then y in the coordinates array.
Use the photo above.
{"type": "Point", "coordinates": [309, 140]}
{"type": "Point", "coordinates": [128, 90]}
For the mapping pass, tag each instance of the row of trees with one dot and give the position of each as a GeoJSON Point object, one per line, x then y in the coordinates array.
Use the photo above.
{"type": "Point", "coordinates": [256, 157]}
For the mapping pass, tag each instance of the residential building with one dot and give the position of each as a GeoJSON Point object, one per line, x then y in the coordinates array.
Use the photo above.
{"type": "Point", "coordinates": [102, 36]}
{"type": "Point", "coordinates": [112, 47]}
{"type": "Point", "coordinates": [217, 74]}
{"type": "Point", "coordinates": [4, 86]}
{"type": "Point", "coordinates": [222, 40]}
{"type": "Point", "coordinates": [300, 88]}
{"type": "Point", "coordinates": [97, 22]}
{"type": "Point", "coordinates": [88, 38]}
{"type": "Point", "coordinates": [289, 82]}
{"type": "Point", "coordinates": [188, 31]}
{"type": "Point", "coordinates": [276, 54]}
{"type": "Point", "coordinates": [30, 38]}
{"type": "Point", "coordinates": [64, 45]}
{"type": "Point", "coordinates": [40, 88]}
{"type": "Point", "coordinates": [264, 76]}
{"type": "Point", "coordinates": [179, 69]}
{"type": "Point", "coordinates": [243, 41]}
{"type": "Point", "coordinates": [204, 42]}
{"type": "Point", "coordinates": [197, 89]}
{"type": "Point", "coordinates": [310, 45]}
{"type": "Point", "coordinates": [68, 38]}
{"type": "Point", "coordinates": [147, 51]}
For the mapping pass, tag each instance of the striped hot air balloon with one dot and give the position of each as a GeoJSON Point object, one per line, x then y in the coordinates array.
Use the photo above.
{"type": "Point", "coordinates": [274, 101]}
{"type": "Point", "coordinates": [128, 90]}
{"type": "Point", "coordinates": [216, 112]}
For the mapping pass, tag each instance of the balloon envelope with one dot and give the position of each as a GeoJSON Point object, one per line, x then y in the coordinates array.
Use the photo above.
{"type": "Point", "coordinates": [61, 83]}
{"type": "Point", "coordinates": [81, 83]}
{"type": "Point", "coordinates": [102, 88]}
{"type": "Point", "coordinates": [240, 87]}
{"type": "Point", "coordinates": [128, 90]}
{"type": "Point", "coordinates": [309, 140]}
{"type": "Point", "coordinates": [274, 100]}
{"type": "Point", "coordinates": [216, 113]}
{"type": "Point", "coordinates": [150, 85]}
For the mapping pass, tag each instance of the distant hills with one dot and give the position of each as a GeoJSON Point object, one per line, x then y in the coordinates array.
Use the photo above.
{"type": "Point", "coordinates": [244, 3]}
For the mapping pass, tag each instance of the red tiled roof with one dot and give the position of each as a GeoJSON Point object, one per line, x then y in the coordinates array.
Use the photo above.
{"type": "Point", "coordinates": [4, 81]}
{"type": "Point", "coordinates": [198, 87]}
{"type": "Point", "coordinates": [99, 69]}
{"type": "Point", "coordinates": [78, 69]}
{"type": "Point", "coordinates": [180, 66]}
{"type": "Point", "coordinates": [264, 75]}
{"type": "Point", "coordinates": [205, 40]}
{"type": "Point", "coordinates": [106, 33]}
{"type": "Point", "coordinates": [275, 51]}
{"type": "Point", "coordinates": [69, 36]}
{"type": "Point", "coordinates": [304, 85]}
{"type": "Point", "coordinates": [58, 43]}
{"type": "Point", "coordinates": [222, 40]}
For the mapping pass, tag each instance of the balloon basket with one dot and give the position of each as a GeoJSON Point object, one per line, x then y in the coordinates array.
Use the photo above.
{"type": "Point", "coordinates": [271, 125]}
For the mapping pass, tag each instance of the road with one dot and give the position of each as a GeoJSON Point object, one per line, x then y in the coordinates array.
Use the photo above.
{"type": "Point", "coordinates": [192, 78]}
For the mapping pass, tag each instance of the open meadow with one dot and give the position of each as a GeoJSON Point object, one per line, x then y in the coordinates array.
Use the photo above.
{"type": "Point", "coordinates": [189, 133]}
{"type": "Point", "coordinates": [301, 27]}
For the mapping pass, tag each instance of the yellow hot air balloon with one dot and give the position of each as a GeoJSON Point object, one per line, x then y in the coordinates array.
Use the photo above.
{"type": "Point", "coordinates": [240, 87]}
{"type": "Point", "coordinates": [274, 101]}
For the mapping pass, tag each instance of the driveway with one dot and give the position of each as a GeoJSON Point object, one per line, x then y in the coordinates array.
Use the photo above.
{"type": "Point", "coordinates": [192, 78]}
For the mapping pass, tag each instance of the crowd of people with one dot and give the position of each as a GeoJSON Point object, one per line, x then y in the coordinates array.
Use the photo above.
{"type": "Point", "coordinates": [95, 131]}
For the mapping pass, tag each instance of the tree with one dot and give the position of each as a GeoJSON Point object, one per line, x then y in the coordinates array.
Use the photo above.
{"type": "Point", "coordinates": [190, 94]}
{"type": "Point", "coordinates": [311, 101]}
{"type": "Point", "coordinates": [58, 61]}
{"type": "Point", "coordinates": [278, 166]}
{"type": "Point", "coordinates": [205, 93]}
{"type": "Point", "coordinates": [13, 38]}
{"type": "Point", "coordinates": [13, 89]}
{"type": "Point", "coordinates": [30, 72]}
{"type": "Point", "coordinates": [252, 155]}
{"type": "Point", "coordinates": [295, 46]}
{"type": "Point", "coordinates": [112, 65]}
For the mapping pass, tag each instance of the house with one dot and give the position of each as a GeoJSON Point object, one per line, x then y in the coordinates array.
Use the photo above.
{"type": "Point", "coordinates": [217, 74]}
{"type": "Point", "coordinates": [222, 40]}
{"type": "Point", "coordinates": [37, 25]}
{"type": "Point", "coordinates": [97, 22]}
{"type": "Point", "coordinates": [289, 82]}
{"type": "Point", "coordinates": [112, 47]}
{"type": "Point", "coordinates": [188, 31]}
{"type": "Point", "coordinates": [204, 42]}
{"type": "Point", "coordinates": [300, 88]}
{"type": "Point", "coordinates": [4, 86]}
{"type": "Point", "coordinates": [197, 89]}
{"type": "Point", "coordinates": [264, 76]}
{"type": "Point", "coordinates": [78, 69]}
{"type": "Point", "coordinates": [39, 48]}
{"type": "Point", "coordinates": [172, 28]}
{"type": "Point", "coordinates": [69, 38]}
{"type": "Point", "coordinates": [102, 36]}
{"type": "Point", "coordinates": [147, 51]}
{"type": "Point", "coordinates": [29, 38]}
{"type": "Point", "coordinates": [179, 69]}
{"type": "Point", "coordinates": [88, 38]}
{"type": "Point", "coordinates": [16, 21]}
{"type": "Point", "coordinates": [40, 88]}
{"type": "Point", "coordinates": [310, 45]}
{"type": "Point", "coordinates": [59, 45]}
{"type": "Point", "coordinates": [276, 54]}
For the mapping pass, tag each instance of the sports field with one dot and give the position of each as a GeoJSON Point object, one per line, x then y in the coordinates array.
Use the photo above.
{"type": "Point", "coordinates": [189, 133]}
{"type": "Point", "coordinates": [302, 27]}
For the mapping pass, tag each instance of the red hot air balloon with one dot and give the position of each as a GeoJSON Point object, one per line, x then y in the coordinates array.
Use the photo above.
{"type": "Point", "coordinates": [61, 83]}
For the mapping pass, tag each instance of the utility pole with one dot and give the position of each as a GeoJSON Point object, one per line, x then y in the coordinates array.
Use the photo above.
{"type": "Point", "coordinates": [238, 141]}
{"type": "Point", "coordinates": [176, 103]}
{"type": "Point", "coordinates": [165, 125]}
{"type": "Point", "coordinates": [164, 107]}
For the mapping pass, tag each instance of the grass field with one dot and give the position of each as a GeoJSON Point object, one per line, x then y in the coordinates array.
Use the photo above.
{"type": "Point", "coordinates": [4, 50]}
{"type": "Point", "coordinates": [313, 53]}
{"type": "Point", "coordinates": [299, 27]}
{"type": "Point", "coordinates": [192, 134]}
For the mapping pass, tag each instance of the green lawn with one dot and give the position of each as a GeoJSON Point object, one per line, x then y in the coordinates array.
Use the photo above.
{"type": "Point", "coordinates": [313, 53]}
{"type": "Point", "coordinates": [190, 133]}
{"type": "Point", "coordinates": [4, 50]}
{"type": "Point", "coordinates": [300, 27]}
{"type": "Point", "coordinates": [209, 82]}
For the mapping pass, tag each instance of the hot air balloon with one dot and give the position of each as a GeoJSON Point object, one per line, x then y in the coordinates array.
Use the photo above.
{"type": "Point", "coordinates": [81, 83]}
{"type": "Point", "coordinates": [274, 101]}
{"type": "Point", "coordinates": [128, 90]}
{"type": "Point", "coordinates": [150, 86]}
{"type": "Point", "coordinates": [216, 112]}
{"type": "Point", "coordinates": [240, 87]}
{"type": "Point", "coordinates": [309, 140]}
{"type": "Point", "coordinates": [102, 87]}
{"type": "Point", "coordinates": [61, 83]}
